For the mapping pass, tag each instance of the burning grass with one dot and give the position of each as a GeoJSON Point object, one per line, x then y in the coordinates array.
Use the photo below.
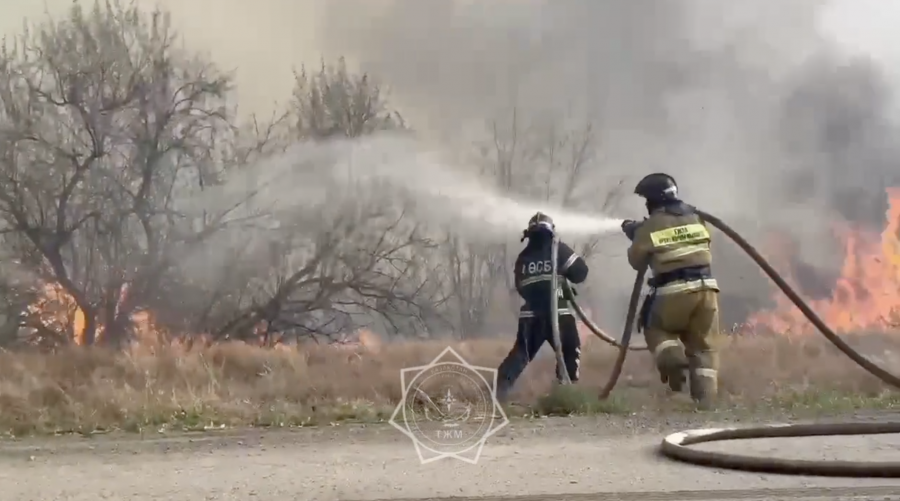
{"type": "Point", "coordinates": [164, 385]}
{"type": "Point", "coordinates": [171, 387]}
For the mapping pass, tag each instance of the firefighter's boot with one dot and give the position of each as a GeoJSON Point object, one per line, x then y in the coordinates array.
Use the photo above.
{"type": "Point", "coordinates": [704, 382]}
{"type": "Point", "coordinates": [509, 371]}
{"type": "Point", "coordinates": [672, 373]}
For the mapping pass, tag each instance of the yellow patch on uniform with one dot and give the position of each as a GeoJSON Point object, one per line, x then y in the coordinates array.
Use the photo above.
{"type": "Point", "coordinates": [687, 234]}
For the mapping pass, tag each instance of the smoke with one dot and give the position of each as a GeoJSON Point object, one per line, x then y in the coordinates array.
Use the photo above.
{"type": "Point", "coordinates": [670, 84]}
{"type": "Point", "coordinates": [762, 118]}
{"type": "Point", "coordinates": [384, 167]}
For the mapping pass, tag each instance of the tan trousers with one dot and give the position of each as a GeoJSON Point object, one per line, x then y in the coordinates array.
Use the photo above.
{"type": "Point", "coordinates": [683, 332]}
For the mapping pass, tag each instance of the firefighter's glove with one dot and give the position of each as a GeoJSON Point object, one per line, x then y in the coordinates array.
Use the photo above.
{"type": "Point", "coordinates": [629, 227]}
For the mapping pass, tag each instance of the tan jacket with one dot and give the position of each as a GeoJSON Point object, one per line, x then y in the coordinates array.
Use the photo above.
{"type": "Point", "coordinates": [669, 242]}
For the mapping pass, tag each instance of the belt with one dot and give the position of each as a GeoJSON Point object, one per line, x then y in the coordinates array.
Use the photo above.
{"type": "Point", "coordinates": [533, 314]}
{"type": "Point", "coordinates": [691, 279]}
{"type": "Point", "coordinates": [682, 275]}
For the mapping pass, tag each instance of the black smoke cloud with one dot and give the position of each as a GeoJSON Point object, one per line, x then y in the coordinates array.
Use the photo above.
{"type": "Point", "coordinates": [756, 114]}
{"type": "Point", "coordinates": [846, 149]}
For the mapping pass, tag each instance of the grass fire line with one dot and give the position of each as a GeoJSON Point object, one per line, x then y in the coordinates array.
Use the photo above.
{"type": "Point", "coordinates": [866, 296]}
{"type": "Point", "coordinates": [163, 382]}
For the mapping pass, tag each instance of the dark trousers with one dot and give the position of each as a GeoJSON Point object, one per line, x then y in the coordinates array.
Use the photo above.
{"type": "Point", "coordinates": [532, 334]}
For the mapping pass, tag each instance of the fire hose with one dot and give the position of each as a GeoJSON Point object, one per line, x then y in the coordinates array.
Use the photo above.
{"type": "Point", "coordinates": [676, 445]}
{"type": "Point", "coordinates": [624, 346]}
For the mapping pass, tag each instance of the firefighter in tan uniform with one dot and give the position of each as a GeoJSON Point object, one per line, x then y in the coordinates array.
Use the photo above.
{"type": "Point", "coordinates": [680, 315]}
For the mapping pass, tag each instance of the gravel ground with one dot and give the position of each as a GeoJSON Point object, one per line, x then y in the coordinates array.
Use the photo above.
{"type": "Point", "coordinates": [560, 459]}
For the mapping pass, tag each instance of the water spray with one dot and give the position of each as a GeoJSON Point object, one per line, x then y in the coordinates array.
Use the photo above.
{"type": "Point", "coordinates": [676, 445]}
{"type": "Point", "coordinates": [381, 169]}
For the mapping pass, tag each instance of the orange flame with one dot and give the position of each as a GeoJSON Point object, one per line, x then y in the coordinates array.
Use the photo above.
{"type": "Point", "coordinates": [57, 311]}
{"type": "Point", "coordinates": [867, 294]}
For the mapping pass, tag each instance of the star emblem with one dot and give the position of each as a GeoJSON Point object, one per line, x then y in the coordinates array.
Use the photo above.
{"type": "Point", "coordinates": [449, 408]}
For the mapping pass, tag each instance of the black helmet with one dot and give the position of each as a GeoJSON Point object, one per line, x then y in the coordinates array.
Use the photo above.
{"type": "Point", "coordinates": [657, 188]}
{"type": "Point", "coordinates": [539, 223]}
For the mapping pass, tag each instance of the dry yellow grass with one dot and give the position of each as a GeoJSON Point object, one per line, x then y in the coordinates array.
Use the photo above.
{"type": "Point", "coordinates": [148, 388]}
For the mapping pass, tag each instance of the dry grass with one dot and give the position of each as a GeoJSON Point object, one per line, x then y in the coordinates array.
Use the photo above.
{"type": "Point", "coordinates": [149, 388]}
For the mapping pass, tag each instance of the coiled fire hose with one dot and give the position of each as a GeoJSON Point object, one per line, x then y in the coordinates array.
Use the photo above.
{"type": "Point", "coordinates": [676, 445]}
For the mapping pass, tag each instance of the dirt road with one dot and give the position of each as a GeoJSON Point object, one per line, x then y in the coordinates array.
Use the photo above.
{"type": "Point", "coordinates": [565, 459]}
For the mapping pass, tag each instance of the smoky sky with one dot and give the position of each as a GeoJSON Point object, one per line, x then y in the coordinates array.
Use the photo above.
{"type": "Point", "coordinates": [747, 104]}
{"type": "Point", "coordinates": [743, 105]}
{"type": "Point", "coordinates": [833, 122]}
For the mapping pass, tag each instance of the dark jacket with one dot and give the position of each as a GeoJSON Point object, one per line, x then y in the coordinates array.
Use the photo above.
{"type": "Point", "coordinates": [532, 274]}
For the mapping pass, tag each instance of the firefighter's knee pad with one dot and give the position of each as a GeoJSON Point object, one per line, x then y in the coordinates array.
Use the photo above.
{"type": "Point", "coordinates": [669, 353]}
{"type": "Point", "coordinates": [671, 363]}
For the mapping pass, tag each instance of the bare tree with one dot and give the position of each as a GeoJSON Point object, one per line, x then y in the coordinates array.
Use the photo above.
{"type": "Point", "coordinates": [566, 160]}
{"type": "Point", "coordinates": [472, 274]}
{"type": "Point", "coordinates": [109, 136]}
{"type": "Point", "coordinates": [323, 269]}
{"type": "Point", "coordinates": [333, 102]}
{"type": "Point", "coordinates": [325, 281]}
{"type": "Point", "coordinates": [104, 122]}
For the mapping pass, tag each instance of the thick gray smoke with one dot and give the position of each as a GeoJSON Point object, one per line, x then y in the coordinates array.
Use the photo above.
{"type": "Point", "coordinates": [747, 104]}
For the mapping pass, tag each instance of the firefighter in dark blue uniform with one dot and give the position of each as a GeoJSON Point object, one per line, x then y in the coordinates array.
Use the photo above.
{"type": "Point", "coordinates": [532, 277]}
